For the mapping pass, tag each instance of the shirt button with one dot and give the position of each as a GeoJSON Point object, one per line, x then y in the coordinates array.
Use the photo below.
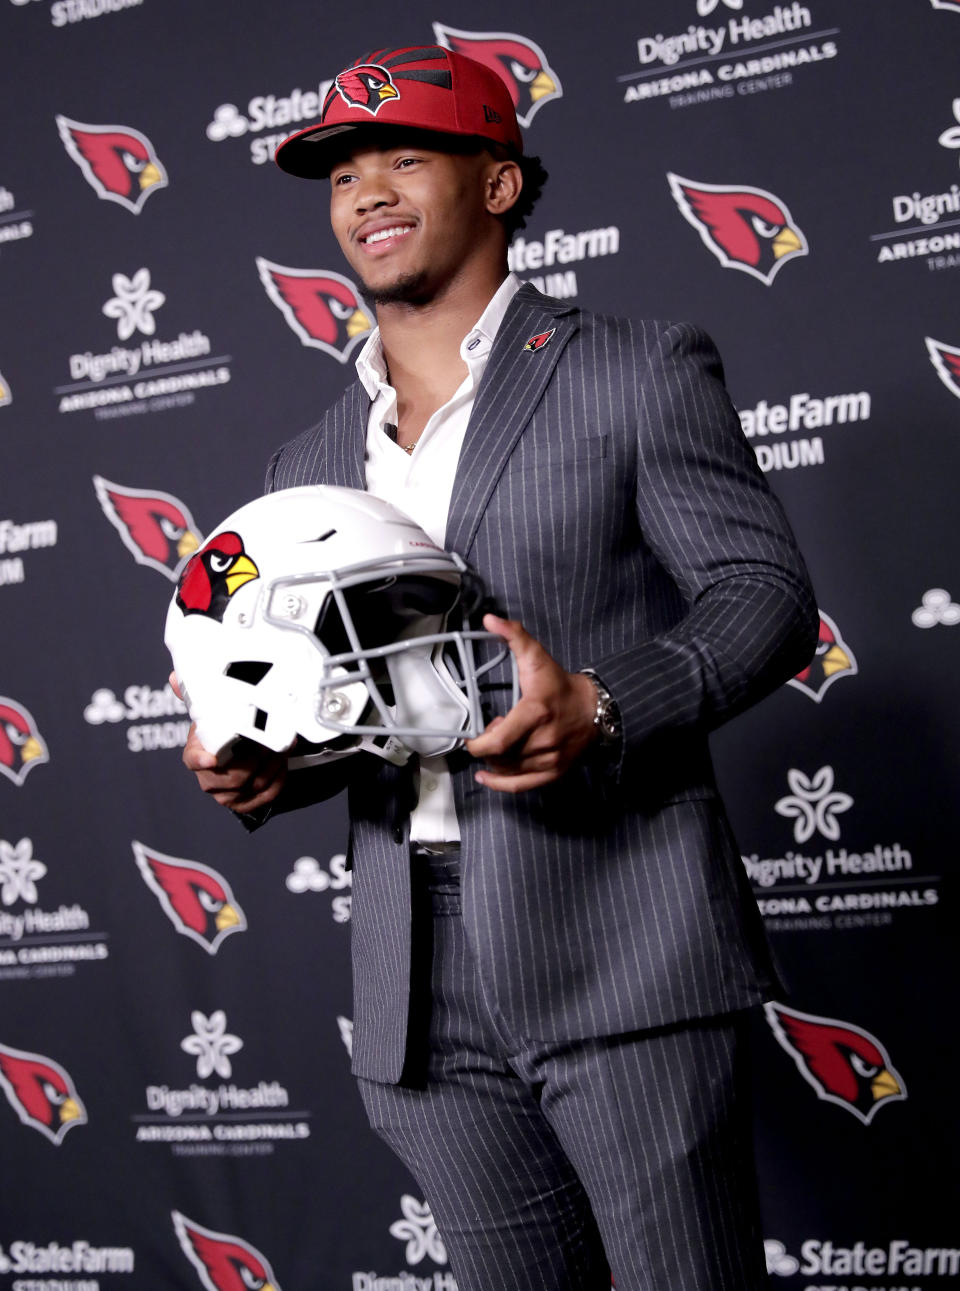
{"type": "Point", "coordinates": [427, 783]}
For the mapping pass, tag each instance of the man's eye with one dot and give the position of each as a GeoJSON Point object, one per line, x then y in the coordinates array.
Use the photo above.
{"type": "Point", "coordinates": [342, 179]}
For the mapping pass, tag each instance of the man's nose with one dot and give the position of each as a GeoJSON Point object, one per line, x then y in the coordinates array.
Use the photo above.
{"type": "Point", "coordinates": [373, 191]}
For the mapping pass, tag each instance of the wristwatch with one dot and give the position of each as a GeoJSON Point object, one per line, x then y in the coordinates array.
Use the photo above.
{"type": "Point", "coordinates": [607, 715]}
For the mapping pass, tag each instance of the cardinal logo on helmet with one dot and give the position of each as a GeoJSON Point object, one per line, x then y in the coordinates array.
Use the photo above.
{"type": "Point", "coordinates": [224, 1262]}
{"type": "Point", "coordinates": [745, 228]}
{"type": "Point", "coordinates": [41, 1093]}
{"type": "Point", "coordinates": [195, 898]}
{"type": "Point", "coordinates": [213, 574]}
{"type": "Point", "coordinates": [119, 163]}
{"type": "Point", "coordinates": [156, 528]}
{"type": "Point", "coordinates": [845, 1064]}
{"type": "Point", "coordinates": [368, 86]}
{"type": "Point", "coordinates": [519, 62]}
{"type": "Point", "coordinates": [833, 659]}
{"type": "Point", "coordinates": [21, 746]}
{"type": "Point", "coordinates": [322, 307]}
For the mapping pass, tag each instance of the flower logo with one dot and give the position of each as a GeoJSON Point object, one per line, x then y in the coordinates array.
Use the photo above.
{"type": "Point", "coordinates": [419, 1231]}
{"type": "Point", "coordinates": [133, 305]}
{"type": "Point", "coordinates": [211, 1043]}
{"type": "Point", "coordinates": [951, 136]}
{"type": "Point", "coordinates": [19, 872]}
{"type": "Point", "coordinates": [814, 804]}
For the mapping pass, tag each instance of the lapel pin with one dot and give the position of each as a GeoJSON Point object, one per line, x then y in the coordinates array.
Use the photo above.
{"type": "Point", "coordinates": [540, 340]}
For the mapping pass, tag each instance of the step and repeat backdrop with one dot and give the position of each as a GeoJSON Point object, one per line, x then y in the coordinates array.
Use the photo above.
{"type": "Point", "coordinates": [176, 1108]}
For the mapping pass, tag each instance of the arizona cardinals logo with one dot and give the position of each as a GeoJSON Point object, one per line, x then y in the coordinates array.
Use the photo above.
{"type": "Point", "coordinates": [844, 1064]}
{"type": "Point", "coordinates": [540, 340]}
{"type": "Point", "coordinates": [119, 163]}
{"type": "Point", "coordinates": [224, 1262]}
{"type": "Point", "coordinates": [213, 574]}
{"type": "Point", "coordinates": [745, 228]}
{"type": "Point", "coordinates": [946, 360]}
{"type": "Point", "coordinates": [5, 395]}
{"type": "Point", "coordinates": [321, 306]}
{"type": "Point", "coordinates": [41, 1093]}
{"type": "Point", "coordinates": [156, 528]}
{"type": "Point", "coordinates": [833, 659]}
{"type": "Point", "coordinates": [366, 86]}
{"type": "Point", "coordinates": [196, 899]}
{"type": "Point", "coordinates": [520, 63]}
{"type": "Point", "coordinates": [21, 745]}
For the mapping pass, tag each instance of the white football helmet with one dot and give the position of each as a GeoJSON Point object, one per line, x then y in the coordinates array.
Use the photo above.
{"type": "Point", "coordinates": [321, 613]}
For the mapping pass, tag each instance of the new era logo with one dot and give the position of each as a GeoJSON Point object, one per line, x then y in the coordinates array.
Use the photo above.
{"type": "Point", "coordinates": [490, 115]}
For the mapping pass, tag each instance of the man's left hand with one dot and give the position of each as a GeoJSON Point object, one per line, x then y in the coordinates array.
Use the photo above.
{"type": "Point", "coordinates": [547, 729]}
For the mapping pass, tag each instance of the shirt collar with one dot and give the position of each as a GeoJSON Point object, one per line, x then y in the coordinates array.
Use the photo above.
{"type": "Point", "coordinates": [371, 365]}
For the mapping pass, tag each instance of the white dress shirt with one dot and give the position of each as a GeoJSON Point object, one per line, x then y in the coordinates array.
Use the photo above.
{"type": "Point", "coordinates": [421, 484]}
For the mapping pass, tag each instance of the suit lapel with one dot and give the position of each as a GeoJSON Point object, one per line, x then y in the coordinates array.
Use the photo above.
{"type": "Point", "coordinates": [345, 436]}
{"type": "Point", "coordinates": [512, 386]}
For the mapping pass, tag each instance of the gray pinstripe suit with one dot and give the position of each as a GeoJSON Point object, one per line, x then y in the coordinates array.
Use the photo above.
{"type": "Point", "coordinates": [606, 496]}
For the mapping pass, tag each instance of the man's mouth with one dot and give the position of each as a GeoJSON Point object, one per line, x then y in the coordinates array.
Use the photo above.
{"type": "Point", "coordinates": [384, 235]}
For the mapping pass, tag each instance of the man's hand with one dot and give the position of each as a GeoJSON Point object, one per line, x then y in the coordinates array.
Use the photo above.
{"type": "Point", "coordinates": [251, 777]}
{"type": "Point", "coordinates": [547, 729]}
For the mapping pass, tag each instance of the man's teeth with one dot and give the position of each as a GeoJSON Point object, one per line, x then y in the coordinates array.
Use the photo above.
{"type": "Point", "coordinates": [383, 234]}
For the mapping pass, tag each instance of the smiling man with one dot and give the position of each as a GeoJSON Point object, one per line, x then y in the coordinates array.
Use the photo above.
{"type": "Point", "coordinates": [554, 940]}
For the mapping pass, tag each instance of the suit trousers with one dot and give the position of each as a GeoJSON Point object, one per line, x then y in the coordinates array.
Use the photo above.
{"type": "Point", "coordinates": [552, 1166]}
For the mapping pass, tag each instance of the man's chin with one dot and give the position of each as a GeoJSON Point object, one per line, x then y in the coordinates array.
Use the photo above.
{"type": "Point", "coordinates": [408, 289]}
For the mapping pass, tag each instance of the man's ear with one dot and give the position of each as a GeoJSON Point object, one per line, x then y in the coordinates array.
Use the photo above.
{"type": "Point", "coordinates": [504, 181]}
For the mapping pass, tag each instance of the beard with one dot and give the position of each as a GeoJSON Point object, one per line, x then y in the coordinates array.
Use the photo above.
{"type": "Point", "coordinates": [408, 289]}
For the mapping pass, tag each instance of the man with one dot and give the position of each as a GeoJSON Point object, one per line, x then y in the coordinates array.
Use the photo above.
{"type": "Point", "coordinates": [554, 1050]}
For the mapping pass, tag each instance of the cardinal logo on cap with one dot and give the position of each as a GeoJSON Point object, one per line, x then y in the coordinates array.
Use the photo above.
{"type": "Point", "coordinates": [368, 86]}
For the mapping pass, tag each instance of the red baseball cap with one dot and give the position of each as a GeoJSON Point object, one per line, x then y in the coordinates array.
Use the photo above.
{"type": "Point", "coordinates": [423, 87]}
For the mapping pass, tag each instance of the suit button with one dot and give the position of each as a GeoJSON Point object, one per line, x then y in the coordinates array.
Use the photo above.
{"type": "Point", "coordinates": [398, 835]}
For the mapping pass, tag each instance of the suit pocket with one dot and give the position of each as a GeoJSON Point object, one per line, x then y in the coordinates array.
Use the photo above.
{"type": "Point", "coordinates": [558, 455]}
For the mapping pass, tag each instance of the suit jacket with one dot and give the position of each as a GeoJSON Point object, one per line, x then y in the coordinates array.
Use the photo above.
{"type": "Point", "coordinates": [609, 501]}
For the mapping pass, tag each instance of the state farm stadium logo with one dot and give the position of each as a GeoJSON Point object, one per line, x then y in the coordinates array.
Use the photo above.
{"type": "Point", "coordinates": [832, 661]}
{"type": "Point", "coordinates": [319, 306]}
{"type": "Point", "coordinates": [15, 225]}
{"type": "Point", "coordinates": [925, 220]}
{"type": "Point", "coordinates": [156, 717]}
{"type": "Point", "coordinates": [196, 899]}
{"type": "Point", "coordinates": [41, 1092]}
{"type": "Point", "coordinates": [147, 375]}
{"type": "Point", "coordinates": [519, 62]}
{"type": "Point", "coordinates": [308, 875]}
{"type": "Point", "coordinates": [48, 1257]}
{"type": "Point", "coordinates": [223, 1261]}
{"type": "Point", "coordinates": [36, 940]}
{"type": "Point", "coordinates": [22, 747]}
{"type": "Point", "coordinates": [823, 885]}
{"type": "Point", "coordinates": [118, 162]}
{"type": "Point", "coordinates": [155, 527]}
{"type": "Point", "coordinates": [777, 430]}
{"type": "Point", "coordinates": [746, 228]}
{"type": "Point", "coordinates": [281, 114]}
{"type": "Point", "coordinates": [837, 1262]}
{"type": "Point", "coordinates": [736, 55]}
{"type": "Point", "coordinates": [64, 13]}
{"type": "Point", "coordinates": [843, 1063]}
{"type": "Point", "coordinates": [213, 1114]}
{"type": "Point", "coordinates": [19, 538]}
{"type": "Point", "coordinates": [946, 363]}
{"type": "Point", "coordinates": [550, 254]}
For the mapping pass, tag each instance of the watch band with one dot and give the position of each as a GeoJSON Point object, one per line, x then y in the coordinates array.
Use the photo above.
{"type": "Point", "coordinates": [606, 718]}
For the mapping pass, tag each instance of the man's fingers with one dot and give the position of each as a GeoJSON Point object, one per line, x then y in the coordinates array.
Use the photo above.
{"type": "Point", "coordinates": [504, 732]}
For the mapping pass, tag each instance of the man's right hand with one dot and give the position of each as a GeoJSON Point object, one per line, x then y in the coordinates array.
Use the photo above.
{"type": "Point", "coordinates": [249, 778]}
